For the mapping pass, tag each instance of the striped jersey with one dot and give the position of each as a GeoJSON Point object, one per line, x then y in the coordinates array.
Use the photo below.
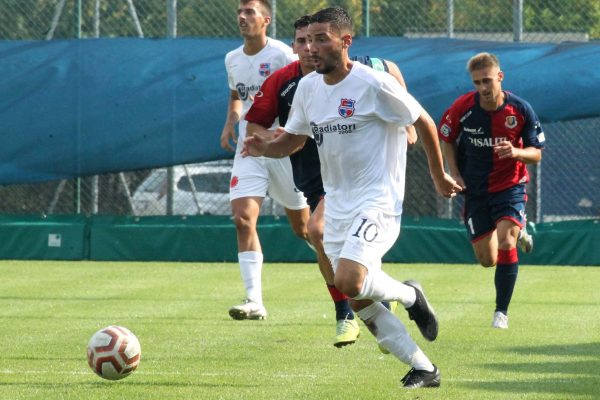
{"type": "Point", "coordinates": [477, 131]}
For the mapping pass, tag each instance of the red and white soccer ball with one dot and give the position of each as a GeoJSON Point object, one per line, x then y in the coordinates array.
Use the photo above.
{"type": "Point", "coordinates": [114, 352]}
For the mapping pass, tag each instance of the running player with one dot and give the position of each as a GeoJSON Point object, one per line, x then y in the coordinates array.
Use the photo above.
{"type": "Point", "coordinates": [274, 103]}
{"type": "Point", "coordinates": [488, 135]}
{"type": "Point", "coordinates": [354, 113]}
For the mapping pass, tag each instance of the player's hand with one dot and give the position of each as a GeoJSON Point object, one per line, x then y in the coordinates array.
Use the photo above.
{"type": "Point", "coordinates": [505, 150]}
{"type": "Point", "coordinates": [411, 135]}
{"type": "Point", "coordinates": [447, 186]}
{"type": "Point", "coordinates": [460, 182]}
{"type": "Point", "coordinates": [227, 137]}
{"type": "Point", "coordinates": [254, 145]}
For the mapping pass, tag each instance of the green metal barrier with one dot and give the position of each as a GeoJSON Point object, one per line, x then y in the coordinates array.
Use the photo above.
{"type": "Point", "coordinates": [213, 239]}
{"type": "Point", "coordinates": [44, 238]}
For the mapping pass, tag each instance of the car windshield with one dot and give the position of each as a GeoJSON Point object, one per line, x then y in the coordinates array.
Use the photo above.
{"type": "Point", "coordinates": [217, 182]}
{"type": "Point", "coordinates": [156, 183]}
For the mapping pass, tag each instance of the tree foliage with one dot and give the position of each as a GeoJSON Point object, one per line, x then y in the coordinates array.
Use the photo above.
{"type": "Point", "coordinates": [32, 19]}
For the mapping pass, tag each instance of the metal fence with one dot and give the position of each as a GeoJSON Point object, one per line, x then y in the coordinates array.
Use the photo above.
{"type": "Point", "coordinates": [528, 20]}
{"type": "Point", "coordinates": [565, 186]}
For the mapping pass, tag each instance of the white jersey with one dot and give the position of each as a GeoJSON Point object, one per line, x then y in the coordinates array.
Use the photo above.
{"type": "Point", "coordinates": [247, 73]}
{"type": "Point", "coordinates": [356, 126]}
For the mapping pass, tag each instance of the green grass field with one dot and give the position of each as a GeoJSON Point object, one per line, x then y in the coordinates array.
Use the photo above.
{"type": "Point", "coordinates": [191, 349]}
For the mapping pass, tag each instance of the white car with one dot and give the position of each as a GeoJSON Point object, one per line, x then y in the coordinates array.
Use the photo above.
{"type": "Point", "coordinates": [197, 189]}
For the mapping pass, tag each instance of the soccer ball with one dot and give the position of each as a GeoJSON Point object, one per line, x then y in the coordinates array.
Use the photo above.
{"type": "Point", "coordinates": [113, 352]}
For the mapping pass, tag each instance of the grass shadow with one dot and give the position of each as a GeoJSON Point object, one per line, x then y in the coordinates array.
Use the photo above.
{"type": "Point", "coordinates": [569, 375]}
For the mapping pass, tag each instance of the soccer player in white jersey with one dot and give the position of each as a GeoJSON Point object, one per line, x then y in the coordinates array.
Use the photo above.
{"type": "Point", "coordinates": [353, 113]}
{"type": "Point", "coordinates": [252, 178]}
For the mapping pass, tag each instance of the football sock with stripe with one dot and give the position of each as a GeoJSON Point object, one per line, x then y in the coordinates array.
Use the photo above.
{"type": "Point", "coordinates": [505, 278]}
{"type": "Point", "coordinates": [342, 304]}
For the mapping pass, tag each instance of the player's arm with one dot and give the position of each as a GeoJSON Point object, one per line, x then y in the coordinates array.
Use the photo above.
{"type": "Point", "coordinates": [283, 145]}
{"type": "Point", "coordinates": [257, 129]}
{"type": "Point", "coordinates": [450, 151]}
{"type": "Point", "coordinates": [234, 111]}
{"type": "Point", "coordinates": [394, 70]}
{"type": "Point", "coordinates": [411, 133]}
{"type": "Point", "coordinates": [444, 183]}
{"type": "Point", "coordinates": [449, 133]}
{"type": "Point", "coordinates": [528, 155]}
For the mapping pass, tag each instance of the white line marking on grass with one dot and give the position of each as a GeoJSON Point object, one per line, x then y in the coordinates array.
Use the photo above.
{"type": "Point", "coordinates": [148, 373]}
{"type": "Point", "coordinates": [278, 375]}
{"type": "Point", "coordinates": [294, 376]}
{"type": "Point", "coordinates": [496, 381]}
{"type": "Point", "coordinates": [36, 372]}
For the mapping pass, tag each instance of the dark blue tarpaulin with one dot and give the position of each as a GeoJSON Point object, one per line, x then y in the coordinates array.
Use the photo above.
{"type": "Point", "coordinates": [82, 107]}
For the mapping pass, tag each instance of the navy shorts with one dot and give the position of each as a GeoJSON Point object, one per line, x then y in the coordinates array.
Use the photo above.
{"type": "Point", "coordinates": [483, 212]}
{"type": "Point", "coordinates": [313, 199]}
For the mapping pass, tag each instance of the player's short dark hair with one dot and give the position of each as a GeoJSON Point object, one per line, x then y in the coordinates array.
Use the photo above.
{"type": "Point", "coordinates": [302, 22]}
{"type": "Point", "coordinates": [481, 61]}
{"type": "Point", "coordinates": [337, 17]}
{"type": "Point", "coordinates": [265, 3]}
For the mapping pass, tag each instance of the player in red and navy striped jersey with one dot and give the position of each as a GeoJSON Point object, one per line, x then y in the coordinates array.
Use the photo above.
{"type": "Point", "coordinates": [273, 102]}
{"type": "Point", "coordinates": [488, 137]}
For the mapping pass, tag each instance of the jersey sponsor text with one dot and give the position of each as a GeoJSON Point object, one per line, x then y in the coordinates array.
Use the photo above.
{"type": "Point", "coordinates": [486, 142]}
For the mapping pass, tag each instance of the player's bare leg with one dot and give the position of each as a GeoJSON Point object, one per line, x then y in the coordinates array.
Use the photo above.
{"type": "Point", "coordinates": [347, 329]}
{"type": "Point", "coordinates": [298, 220]}
{"type": "Point", "coordinates": [486, 250]}
{"type": "Point", "coordinates": [245, 213]}
{"type": "Point", "coordinates": [316, 227]}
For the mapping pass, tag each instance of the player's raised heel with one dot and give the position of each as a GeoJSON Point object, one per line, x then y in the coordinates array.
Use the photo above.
{"type": "Point", "coordinates": [346, 332]}
{"type": "Point", "coordinates": [422, 313]}
{"type": "Point", "coordinates": [248, 310]}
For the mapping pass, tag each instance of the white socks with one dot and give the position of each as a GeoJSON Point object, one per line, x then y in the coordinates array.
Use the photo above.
{"type": "Point", "coordinates": [379, 286]}
{"type": "Point", "coordinates": [391, 334]}
{"type": "Point", "coordinates": [251, 269]}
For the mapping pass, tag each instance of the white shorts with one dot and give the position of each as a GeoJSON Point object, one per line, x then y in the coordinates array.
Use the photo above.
{"type": "Point", "coordinates": [259, 176]}
{"type": "Point", "coordinates": [364, 238]}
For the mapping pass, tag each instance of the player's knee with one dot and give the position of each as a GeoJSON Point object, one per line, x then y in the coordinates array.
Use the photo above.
{"type": "Point", "coordinates": [301, 231]}
{"type": "Point", "coordinates": [485, 258]}
{"type": "Point", "coordinates": [508, 242]}
{"type": "Point", "coordinates": [315, 233]}
{"type": "Point", "coordinates": [487, 262]}
{"type": "Point", "coordinates": [345, 284]}
{"type": "Point", "coordinates": [298, 220]}
{"type": "Point", "coordinates": [243, 223]}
